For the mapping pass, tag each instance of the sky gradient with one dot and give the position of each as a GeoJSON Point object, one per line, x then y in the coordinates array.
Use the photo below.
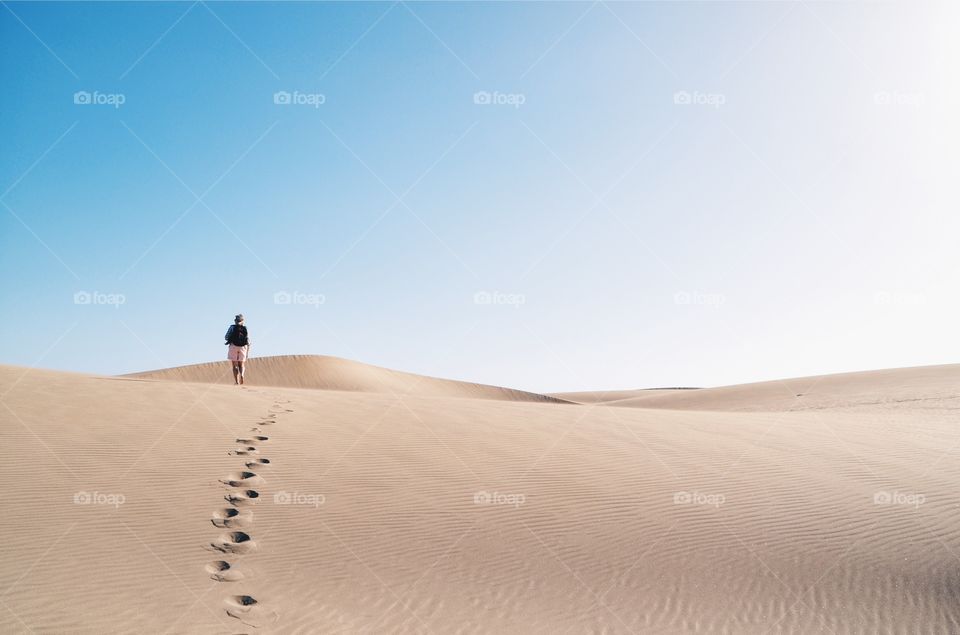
{"type": "Point", "coordinates": [549, 196]}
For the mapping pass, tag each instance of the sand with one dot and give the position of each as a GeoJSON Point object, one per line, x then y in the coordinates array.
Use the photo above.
{"type": "Point", "coordinates": [334, 373]}
{"type": "Point", "coordinates": [141, 505]}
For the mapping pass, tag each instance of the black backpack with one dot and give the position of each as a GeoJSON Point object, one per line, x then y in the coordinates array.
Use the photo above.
{"type": "Point", "coordinates": [238, 335]}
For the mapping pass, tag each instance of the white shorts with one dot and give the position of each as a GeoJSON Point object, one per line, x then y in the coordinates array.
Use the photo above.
{"type": "Point", "coordinates": [237, 353]}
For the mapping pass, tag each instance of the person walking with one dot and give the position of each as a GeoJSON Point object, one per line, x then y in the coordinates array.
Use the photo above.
{"type": "Point", "coordinates": [238, 342]}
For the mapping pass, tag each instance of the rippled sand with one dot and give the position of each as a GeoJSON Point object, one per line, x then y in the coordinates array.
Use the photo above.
{"type": "Point", "coordinates": [378, 502]}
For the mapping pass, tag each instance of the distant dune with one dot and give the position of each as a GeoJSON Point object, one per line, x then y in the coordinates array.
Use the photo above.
{"type": "Point", "coordinates": [334, 373]}
{"type": "Point", "coordinates": [388, 503]}
{"type": "Point", "coordinates": [883, 388]}
{"type": "Point", "coordinates": [611, 396]}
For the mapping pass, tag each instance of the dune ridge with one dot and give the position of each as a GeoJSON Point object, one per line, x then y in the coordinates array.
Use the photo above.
{"type": "Point", "coordinates": [334, 373]}
{"type": "Point", "coordinates": [885, 388]}
{"type": "Point", "coordinates": [611, 396]}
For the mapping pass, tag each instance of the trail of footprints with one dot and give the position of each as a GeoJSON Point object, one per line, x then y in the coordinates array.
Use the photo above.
{"type": "Point", "coordinates": [235, 520]}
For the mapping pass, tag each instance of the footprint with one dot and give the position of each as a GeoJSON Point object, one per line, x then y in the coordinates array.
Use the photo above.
{"type": "Point", "coordinates": [241, 600]}
{"type": "Point", "coordinates": [229, 517]}
{"type": "Point", "coordinates": [234, 542]}
{"type": "Point", "coordinates": [242, 479]}
{"type": "Point", "coordinates": [249, 611]}
{"type": "Point", "coordinates": [245, 451]}
{"type": "Point", "coordinates": [257, 463]}
{"type": "Point", "coordinates": [247, 497]}
{"type": "Point", "coordinates": [252, 440]}
{"type": "Point", "coordinates": [226, 514]}
{"type": "Point", "coordinates": [255, 429]}
{"type": "Point", "coordinates": [221, 571]}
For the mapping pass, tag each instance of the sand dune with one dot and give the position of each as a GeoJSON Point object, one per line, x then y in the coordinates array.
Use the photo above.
{"type": "Point", "coordinates": [334, 373]}
{"type": "Point", "coordinates": [611, 396]}
{"type": "Point", "coordinates": [901, 387]}
{"type": "Point", "coordinates": [182, 507]}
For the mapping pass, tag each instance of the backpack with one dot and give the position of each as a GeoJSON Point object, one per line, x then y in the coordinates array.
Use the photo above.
{"type": "Point", "coordinates": [237, 335]}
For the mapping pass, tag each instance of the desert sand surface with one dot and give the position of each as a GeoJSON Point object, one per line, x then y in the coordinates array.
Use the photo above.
{"type": "Point", "coordinates": [913, 388]}
{"type": "Point", "coordinates": [334, 373]}
{"type": "Point", "coordinates": [607, 396]}
{"type": "Point", "coordinates": [163, 505]}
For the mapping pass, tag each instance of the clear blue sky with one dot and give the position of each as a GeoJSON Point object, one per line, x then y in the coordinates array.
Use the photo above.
{"type": "Point", "coordinates": [798, 216]}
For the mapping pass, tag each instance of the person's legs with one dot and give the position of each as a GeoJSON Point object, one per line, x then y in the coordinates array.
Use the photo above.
{"type": "Point", "coordinates": [242, 352]}
{"type": "Point", "coordinates": [236, 372]}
